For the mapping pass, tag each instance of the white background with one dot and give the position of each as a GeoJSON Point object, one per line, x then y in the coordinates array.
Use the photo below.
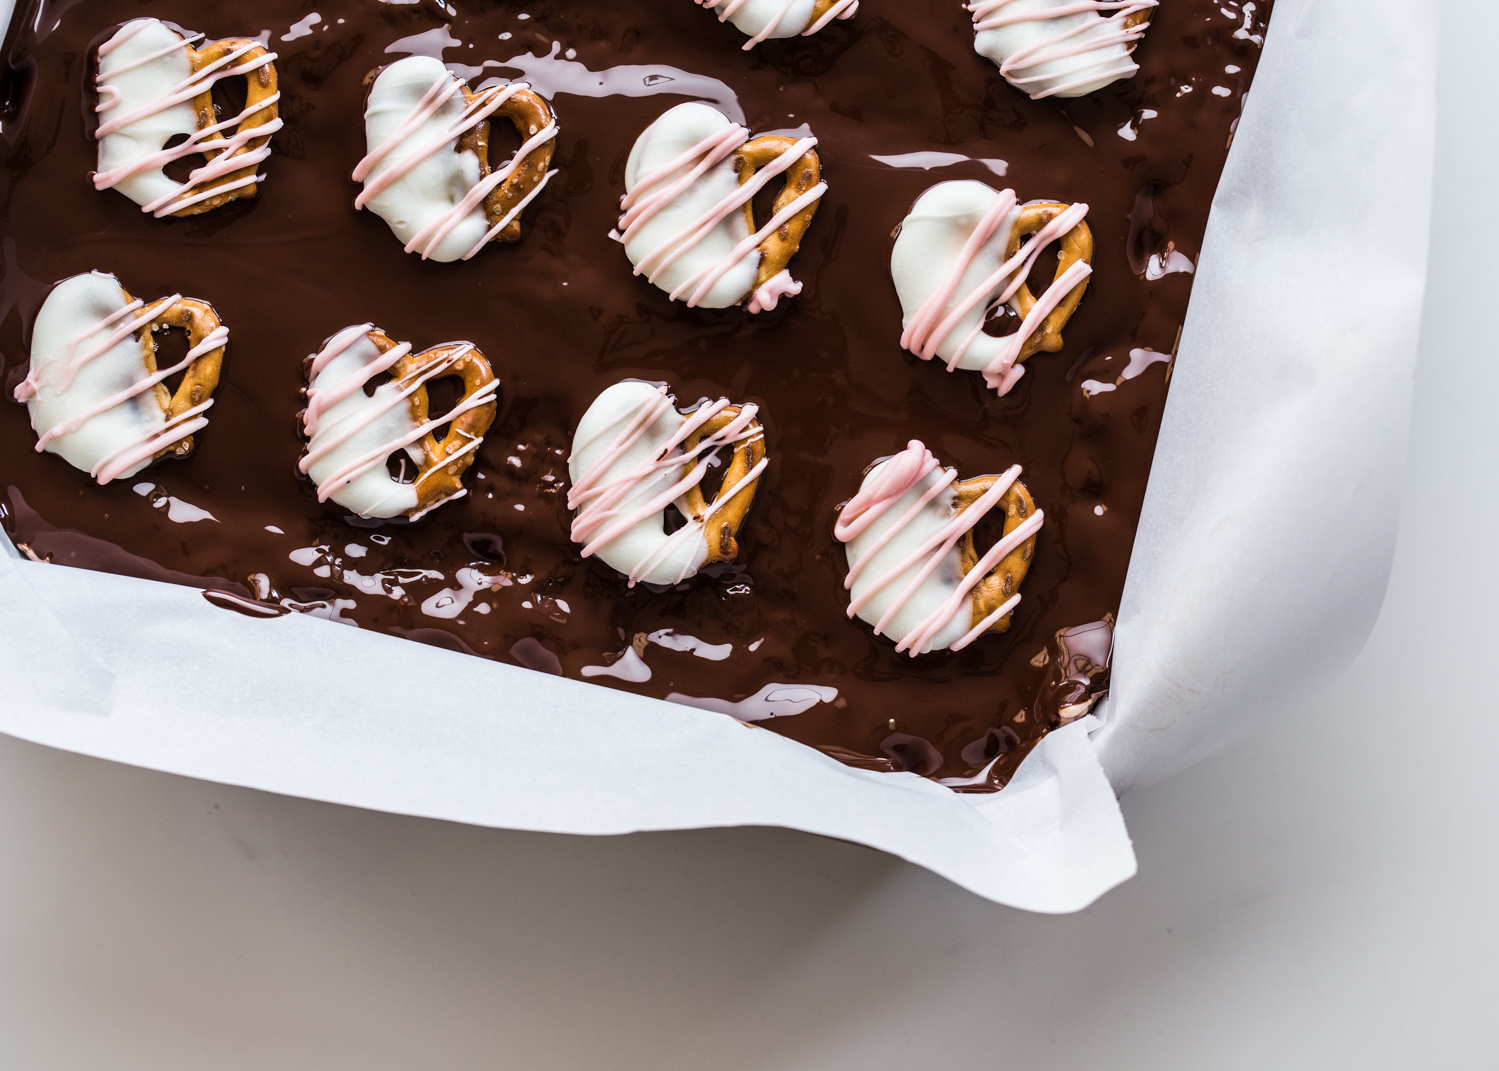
{"type": "Point", "coordinates": [1322, 896]}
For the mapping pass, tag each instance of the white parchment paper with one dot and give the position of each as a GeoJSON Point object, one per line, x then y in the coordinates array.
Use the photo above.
{"type": "Point", "coordinates": [1260, 563]}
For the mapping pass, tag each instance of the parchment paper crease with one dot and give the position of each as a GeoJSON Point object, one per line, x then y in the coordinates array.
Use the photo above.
{"type": "Point", "coordinates": [1260, 563]}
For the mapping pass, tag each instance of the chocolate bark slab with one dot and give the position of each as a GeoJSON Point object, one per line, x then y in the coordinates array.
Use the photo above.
{"type": "Point", "coordinates": [896, 97]}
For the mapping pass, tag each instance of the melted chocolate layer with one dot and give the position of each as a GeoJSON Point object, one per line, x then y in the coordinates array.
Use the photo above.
{"type": "Point", "coordinates": [561, 317]}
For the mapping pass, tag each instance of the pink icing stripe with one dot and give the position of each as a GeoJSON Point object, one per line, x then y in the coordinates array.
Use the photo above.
{"type": "Point", "coordinates": [1027, 255]}
{"type": "Point", "coordinates": [147, 58]}
{"type": "Point", "coordinates": [219, 336]}
{"type": "Point", "coordinates": [508, 216]}
{"type": "Point", "coordinates": [710, 146]}
{"type": "Point", "coordinates": [941, 542]}
{"type": "Point", "coordinates": [346, 428]}
{"type": "Point", "coordinates": [430, 236]}
{"type": "Point", "coordinates": [770, 27]}
{"type": "Point", "coordinates": [844, 9]}
{"type": "Point", "coordinates": [425, 107]}
{"type": "Point", "coordinates": [983, 626]}
{"type": "Point", "coordinates": [124, 34]}
{"type": "Point", "coordinates": [658, 261]}
{"type": "Point", "coordinates": [190, 87]}
{"type": "Point", "coordinates": [173, 430]}
{"type": "Point", "coordinates": [1012, 273]}
{"type": "Point", "coordinates": [358, 467]}
{"type": "Point", "coordinates": [471, 115]}
{"type": "Point", "coordinates": [321, 399]}
{"type": "Point", "coordinates": [769, 293]}
{"type": "Point", "coordinates": [896, 478]}
{"type": "Point", "coordinates": [610, 494]}
{"type": "Point", "coordinates": [1054, 47]}
{"type": "Point", "coordinates": [598, 503]}
{"type": "Point", "coordinates": [710, 276]}
{"type": "Point", "coordinates": [70, 372]}
{"type": "Point", "coordinates": [105, 179]}
{"type": "Point", "coordinates": [997, 372]}
{"type": "Point", "coordinates": [919, 336]}
{"type": "Point", "coordinates": [336, 345]}
{"type": "Point", "coordinates": [923, 634]}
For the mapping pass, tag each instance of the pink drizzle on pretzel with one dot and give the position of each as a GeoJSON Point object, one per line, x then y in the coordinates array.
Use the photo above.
{"type": "Point", "coordinates": [988, 15]}
{"type": "Point", "coordinates": [896, 478]}
{"type": "Point", "coordinates": [601, 517]}
{"type": "Point", "coordinates": [639, 207]}
{"type": "Point", "coordinates": [929, 327]}
{"type": "Point", "coordinates": [321, 397]}
{"type": "Point", "coordinates": [486, 103]}
{"type": "Point", "coordinates": [231, 154]}
{"type": "Point", "coordinates": [727, 9]}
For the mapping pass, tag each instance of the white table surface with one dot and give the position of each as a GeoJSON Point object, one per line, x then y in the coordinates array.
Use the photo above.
{"type": "Point", "coordinates": [1321, 896]}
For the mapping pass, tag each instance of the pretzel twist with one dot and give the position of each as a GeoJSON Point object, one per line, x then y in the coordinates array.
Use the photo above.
{"type": "Point", "coordinates": [261, 84]}
{"type": "Point", "coordinates": [1076, 245]}
{"type": "Point", "coordinates": [805, 172]}
{"type": "Point", "coordinates": [199, 320]}
{"type": "Point", "coordinates": [438, 478]}
{"type": "Point", "coordinates": [1004, 579]}
{"type": "Point", "coordinates": [529, 113]}
{"type": "Point", "coordinates": [726, 521]}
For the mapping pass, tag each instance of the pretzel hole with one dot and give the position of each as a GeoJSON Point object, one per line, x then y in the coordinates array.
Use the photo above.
{"type": "Point", "coordinates": [672, 519]}
{"type": "Point", "coordinates": [171, 346]}
{"type": "Point", "coordinates": [401, 468]}
{"type": "Point", "coordinates": [229, 97]}
{"type": "Point", "coordinates": [1044, 270]}
{"type": "Point", "coordinates": [443, 396]}
{"type": "Point", "coordinates": [1001, 321]}
{"type": "Point", "coordinates": [989, 531]}
{"type": "Point", "coordinates": [504, 140]}
{"type": "Point", "coordinates": [764, 202]}
{"type": "Point", "coordinates": [179, 170]}
{"type": "Point", "coordinates": [718, 464]}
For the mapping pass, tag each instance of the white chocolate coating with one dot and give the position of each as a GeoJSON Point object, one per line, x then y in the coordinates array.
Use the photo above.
{"type": "Point", "coordinates": [904, 536]}
{"type": "Point", "coordinates": [628, 465]}
{"type": "Point", "coordinates": [378, 422]}
{"type": "Point", "coordinates": [146, 87]}
{"type": "Point", "coordinates": [765, 20]}
{"type": "Point", "coordinates": [935, 589]}
{"type": "Point", "coordinates": [436, 184]}
{"type": "Point", "coordinates": [950, 269]}
{"type": "Point", "coordinates": [671, 136]}
{"type": "Point", "coordinates": [99, 410]}
{"type": "Point", "coordinates": [415, 179]}
{"type": "Point", "coordinates": [930, 243]}
{"type": "Point", "coordinates": [1058, 48]}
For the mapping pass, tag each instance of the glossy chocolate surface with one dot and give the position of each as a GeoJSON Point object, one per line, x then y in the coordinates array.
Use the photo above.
{"type": "Point", "coordinates": [561, 317]}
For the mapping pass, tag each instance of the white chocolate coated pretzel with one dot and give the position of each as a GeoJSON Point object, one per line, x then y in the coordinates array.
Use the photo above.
{"type": "Point", "coordinates": [427, 170]}
{"type": "Point", "coordinates": [687, 222]}
{"type": "Point", "coordinates": [351, 432]}
{"type": "Point", "coordinates": [964, 250]}
{"type": "Point", "coordinates": [96, 396]}
{"type": "Point", "coordinates": [1060, 48]}
{"type": "Point", "coordinates": [765, 20]}
{"type": "Point", "coordinates": [154, 85]}
{"type": "Point", "coordinates": [913, 571]}
{"type": "Point", "coordinates": [634, 454]}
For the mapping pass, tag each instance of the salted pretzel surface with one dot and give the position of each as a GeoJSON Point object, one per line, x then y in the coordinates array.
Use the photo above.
{"type": "Point", "coordinates": [198, 320]}
{"type": "Point", "coordinates": [440, 472]}
{"type": "Point", "coordinates": [727, 519]}
{"type": "Point", "coordinates": [261, 110]}
{"type": "Point", "coordinates": [1004, 579]}
{"type": "Point", "coordinates": [778, 247]}
{"type": "Point", "coordinates": [1076, 246]}
{"type": "Point", "coordinates": [530, 114]}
